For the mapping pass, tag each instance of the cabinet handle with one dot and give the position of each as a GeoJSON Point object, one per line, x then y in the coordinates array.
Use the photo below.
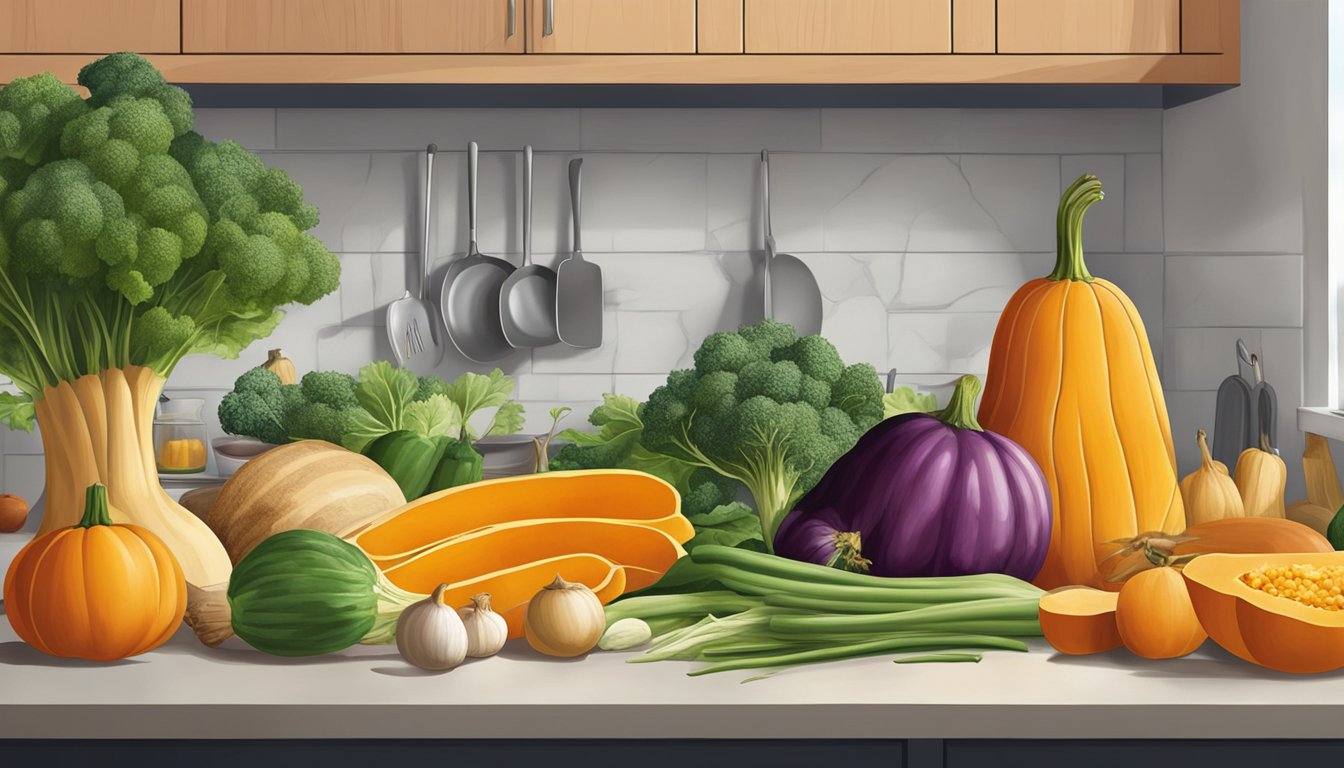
{"type": "Point", "coordinates": [548, 22]}
{"type": "Point", "coordinates": [513, 17]}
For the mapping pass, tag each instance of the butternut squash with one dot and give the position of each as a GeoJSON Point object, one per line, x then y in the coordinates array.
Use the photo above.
{"type": "Point", "coordinates": [1314, 517]}
{"type": "Point", "coordinates": [1261, 477]}
{"type": "Point", "coordinates": [1274, 631]}
{"type": "Point", "coordinates": [511, 545]}
{"type": "Point", "coordinates": [281, 366]}
{"type": "Point", "coordinates": [609, 494]}
{"type": "Point", "coordinates": [1318, 467]}
{"type": "Point", "coordinates": [1208, 492]}
{"type": "Point", "coordinates": [1072, 380]}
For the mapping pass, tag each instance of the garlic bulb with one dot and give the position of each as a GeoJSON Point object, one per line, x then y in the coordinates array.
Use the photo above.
{"type": "Point", "coordinates": [626, 634]}
{"type": "Point", "coordinates": [486, 630]}
{"type": "Point", "coordinates": [431, 635]}
{"type": "Point", "coordinates": [564, 619]}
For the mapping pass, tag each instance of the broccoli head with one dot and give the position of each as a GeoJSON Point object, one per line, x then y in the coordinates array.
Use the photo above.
{"type": "Point", "coordinates": [141, 241]}
{"type": "Point", "coordinates": [766, 408]}
{"type": "Point", "coordinates": [330, 388]}
{"type": "Point", "coordinates": [257, 407]}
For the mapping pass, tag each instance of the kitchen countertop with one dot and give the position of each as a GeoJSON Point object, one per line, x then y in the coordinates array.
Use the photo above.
{"type": "Point", "coordinates": [185, 690]}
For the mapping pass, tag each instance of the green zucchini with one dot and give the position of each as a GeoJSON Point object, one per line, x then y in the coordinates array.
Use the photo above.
{"type": "Point", "coordinates": [305, 593]}
{"type": "Point", "coordinates": [411, 459]}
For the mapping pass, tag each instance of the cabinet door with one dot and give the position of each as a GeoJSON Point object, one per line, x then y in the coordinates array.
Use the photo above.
{"type": "Point", "coordinates": [849, 26]}
{"type": "Point", "coordinates": [1090, 26]}
{"type": "Point", "coordinates": [88, 26]}
{"type": "Point", "coordinates": [352, 26]}
{"type": "Point", "coordinates": [611, 26]}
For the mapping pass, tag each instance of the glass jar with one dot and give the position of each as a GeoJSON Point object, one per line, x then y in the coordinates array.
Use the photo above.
{"type": "Point", "coordinates": [180, 437]}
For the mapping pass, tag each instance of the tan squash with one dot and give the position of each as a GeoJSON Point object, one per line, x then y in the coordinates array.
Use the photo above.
{"type": "Point", "coordinates": [608, 494]}
{"type": "Point", "coordinates": [1080, 620]}
{"type": "Point", "coordinates": [1318, 467]}
{"type": "Point", "coordinates": [1261, 477]}
{"type": "Point", "coordinates": [281, 366]}
{"type": "Point", "coordinates": [1308, 514]}
{"type": "Point", "coordinates": [1155, 616]}
{"type": "Point", "coordinates": [308, 484]}
{"type": "Point", "coordinates": [649, 552]}
{"type": "Point", "coordinates": [1270, 630]}
{"type": "Point", "coordinates": [1208, 491]}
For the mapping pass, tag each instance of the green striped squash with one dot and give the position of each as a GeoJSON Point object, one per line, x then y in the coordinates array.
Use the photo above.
{"type": "Point", "coordinates": [303, 593]}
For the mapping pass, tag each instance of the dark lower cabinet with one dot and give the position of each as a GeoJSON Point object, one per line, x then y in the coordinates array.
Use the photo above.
{"type": "Point", "coordinates": [929, 753]}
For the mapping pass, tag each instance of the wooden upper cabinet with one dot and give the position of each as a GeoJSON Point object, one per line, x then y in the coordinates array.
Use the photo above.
{"type": "Point", "coordinates": [89, 26]}
{"type": "Point", "coordinates": [352, 26]}
{"type": "Point", "coordinates": [611, 26]}
{"type": "Point", "coordinates": [848, 26]}
{"type": "Point", "coordinates": [1089, 26]}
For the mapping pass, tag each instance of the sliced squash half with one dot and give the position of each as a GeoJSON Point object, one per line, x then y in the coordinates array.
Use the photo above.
{"type": "Point", "coordinates": [1276, 632]}
{"type": "Point", "coordinates": [1080, 620]}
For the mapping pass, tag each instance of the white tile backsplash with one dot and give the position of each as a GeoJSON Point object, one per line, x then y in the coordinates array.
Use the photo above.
{"type": "Point", "coordinates": [919, 224]}
{"type": "Point", "coordinates": [1234, 290]}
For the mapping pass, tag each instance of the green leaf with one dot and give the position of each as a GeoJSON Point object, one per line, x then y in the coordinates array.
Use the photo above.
{"type": "Point", "coordinates": [385, 392]}
{"type": "Point", "coordinates": [17, 412]}
{"type": "Point", "coordinates": [731, 525]}
{"type": "Point", "coordinates": [363, 431]}
{"type": "Point", "coordinates": [508, 420]}
{"type": "Point", "coordinates": [618, 419]}
{"type": "Point", "coordinates": [907, 400]}
{"type": "Point", "coordinates": [669, 468]}
{"type": "Point", "coordinates": [474, 391]}
{"type": "Point", "coordinates": [437, 416]}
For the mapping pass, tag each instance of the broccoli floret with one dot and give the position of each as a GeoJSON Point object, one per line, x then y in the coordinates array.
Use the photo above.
{"type": "Point", "coordinates": [141, 241]}
{"type": "Point", "coordinates": [255, 408]}
{"type": "Point", "coordinates": [330, 388]}
{"type": "Point", "coordinates": [319, 421]}
{"type": "Point", "coordinates": [765, 408]}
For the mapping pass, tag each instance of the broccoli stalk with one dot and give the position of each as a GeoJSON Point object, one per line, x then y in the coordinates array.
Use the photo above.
{"type": "Point", "coordinates": [766, 408]}
{"type": "Point", "coordinates": [127, 242]}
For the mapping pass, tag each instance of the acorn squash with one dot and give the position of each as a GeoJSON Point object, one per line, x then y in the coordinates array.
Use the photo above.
{"type": "Point", "coordinates": [1273, 631]}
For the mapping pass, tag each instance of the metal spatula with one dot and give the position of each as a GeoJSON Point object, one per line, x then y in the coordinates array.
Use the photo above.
{"type": "Point", "coordinates": [578, 288]}
{"type": "Point", "coordinates": [410, 324]}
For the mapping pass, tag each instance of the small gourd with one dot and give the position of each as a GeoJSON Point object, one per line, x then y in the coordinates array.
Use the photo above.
{"type": "Point", "coordinates": [1261, 477]}
{"type": "Point", "coordinates": [1155, 617]}
{"type": "Point", "coordinates": [100, 590]}
{"type": "Point", "coordinates": [281, 366]}
{"type": "Point", "coordinates": [13, 512]}
{"type": "Point", "coordinates": [1208, 491]}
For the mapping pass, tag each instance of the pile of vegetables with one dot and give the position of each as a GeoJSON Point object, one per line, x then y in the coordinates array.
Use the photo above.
{"type": "Point", "coordinates": [738, 610]}
{"type": "Point", "coordinates": [418, 429]}
{"type": "Point", "coordinates": [607, 531]}
{"type": "Point", "coordinates": [127, 242]}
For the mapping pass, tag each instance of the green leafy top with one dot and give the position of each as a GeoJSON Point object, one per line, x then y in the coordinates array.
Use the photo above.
{"type": "Point", "coordinates": [128, 239]}
{"type": "Point", "coordinates": [907, 400]}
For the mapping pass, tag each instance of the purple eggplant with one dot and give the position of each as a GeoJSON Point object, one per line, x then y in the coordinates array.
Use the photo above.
{"type": "Point", "coordinates": [926, 495]}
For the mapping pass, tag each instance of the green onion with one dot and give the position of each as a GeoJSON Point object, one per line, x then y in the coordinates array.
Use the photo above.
{"type": "Point", "coordinates": [719, 603]}
{"type": "Point", "coordinates": [991, 610]}
{"type": "Point", "coordinates": [906, 642]}
{"type": "Point", "coordinates": [940, 658]}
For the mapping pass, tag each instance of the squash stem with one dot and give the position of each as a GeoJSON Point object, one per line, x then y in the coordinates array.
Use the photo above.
{"type": "Point", "coordinates": [95, 507]}
{"type": "Point", "coordinates": [1081, 195]}
{"type": "Point", "coordinates": [1206, 458]}
{"type": "Point", "coordinates": [849, 553]}
{"type": "Point", "coordinates": [960, 410]}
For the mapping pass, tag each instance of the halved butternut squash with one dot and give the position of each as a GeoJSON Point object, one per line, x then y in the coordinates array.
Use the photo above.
{"type": "Point", "coordinates": [512, 588]}
{"type": "Point", "coordinates": [608, 494]}
{"type": "Point", "coordinates": [1270, 630]}
{"type": "Point", "coordinates": [648, 551]}
{"type": "Point", "coordinates": [1080, 620]}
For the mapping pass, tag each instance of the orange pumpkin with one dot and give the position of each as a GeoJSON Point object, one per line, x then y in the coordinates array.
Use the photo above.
{"type": "Point", "coordinates": [13, 513]}
{"type": "Point", "coordinates": [1072, 380]}
{"type": "Point", "coordinates": [98, 590]}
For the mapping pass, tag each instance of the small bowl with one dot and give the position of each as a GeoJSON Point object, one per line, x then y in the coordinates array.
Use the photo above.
{"type": "Point", "coordinates": [506, 455]}
{"type": "Point", "coordinates": [233, 452]}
